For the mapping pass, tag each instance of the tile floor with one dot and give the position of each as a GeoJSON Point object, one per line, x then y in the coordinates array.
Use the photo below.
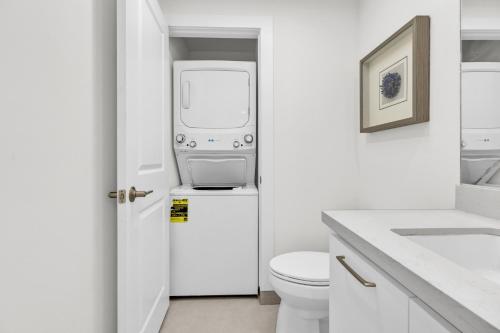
{"type": "Point", "coordinates": [219, 315]}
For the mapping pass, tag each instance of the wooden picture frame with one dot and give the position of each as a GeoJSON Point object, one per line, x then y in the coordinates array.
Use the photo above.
{"type": "Point", "coordinates": [399, 67]}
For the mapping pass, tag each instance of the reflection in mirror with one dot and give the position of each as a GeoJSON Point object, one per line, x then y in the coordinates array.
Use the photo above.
{"type": "Point", "coordinates": [480, 156]}
{"type": "Point", "coordinates": [480, 50]}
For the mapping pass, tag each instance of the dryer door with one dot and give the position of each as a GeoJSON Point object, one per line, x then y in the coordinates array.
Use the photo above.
{"type": "Point", "coordinates": [215, 99]}
{"type": "Point", "coordinates": [480, 97]}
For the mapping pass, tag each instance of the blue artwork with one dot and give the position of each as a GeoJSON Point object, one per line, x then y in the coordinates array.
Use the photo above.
{"type": "Point", "coordinates": [391, 83]}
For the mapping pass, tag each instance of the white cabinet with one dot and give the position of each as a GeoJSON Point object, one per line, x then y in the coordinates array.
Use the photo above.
{"type": "Point", "coordinates": [364, 299]}
{"type": "Point", "coordinates": [425, 320]}
{"type": "Point", "coordinates": [360, 308]}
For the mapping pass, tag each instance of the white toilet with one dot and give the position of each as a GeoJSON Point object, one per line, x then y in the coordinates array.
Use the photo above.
{"type": "Point", "coordinates": [302, 280]}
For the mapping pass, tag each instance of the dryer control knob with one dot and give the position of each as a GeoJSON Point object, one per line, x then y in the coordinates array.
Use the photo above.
{"type": "Point", "coordinates": [180, 138]}
{"type": "Point", "coordinates": [236, 144]}
{"type": "Point", "coordinates": [192, 144]}
{"type": "Point", "coordinates": [248, 138]}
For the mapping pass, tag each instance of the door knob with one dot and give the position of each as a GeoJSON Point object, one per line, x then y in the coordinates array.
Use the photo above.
{"type": "Point", "coordinates": [133, 193]}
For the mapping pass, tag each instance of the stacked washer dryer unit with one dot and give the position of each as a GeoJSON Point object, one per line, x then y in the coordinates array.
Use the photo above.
{"type": "Point", "coordinates": [480, 156]}
{"type": "Point", "coordinates": [215, 252]}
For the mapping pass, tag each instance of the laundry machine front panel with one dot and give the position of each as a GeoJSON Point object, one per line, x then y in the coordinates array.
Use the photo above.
{"type": "Point", "coordinates": [480, 98]}
{"type": "Point", "coordinates": [215, 115]}
{"type": "Point", "coordinates": [215, 99]}
{"type": "Point", "coordinates": [215, 252]}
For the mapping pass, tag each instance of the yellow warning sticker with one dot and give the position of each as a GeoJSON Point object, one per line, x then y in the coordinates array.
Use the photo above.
{"type": "Point", "coordinates": [179, 211]}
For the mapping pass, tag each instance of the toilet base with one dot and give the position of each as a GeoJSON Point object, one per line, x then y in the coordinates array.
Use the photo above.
{"type": "Point", "coordinates": [291, 320]}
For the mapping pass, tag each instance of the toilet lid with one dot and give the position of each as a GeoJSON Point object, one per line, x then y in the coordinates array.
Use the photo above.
{"type": "Point", "coordinates": [303, 266]}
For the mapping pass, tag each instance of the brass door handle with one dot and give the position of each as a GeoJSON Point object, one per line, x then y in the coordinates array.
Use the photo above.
{"type": "Point", "coordinates": [358, 277]}
{"type": "Point", "coordinates": [133, 193]}
{"type": "Point", "coordinates": [118, 194]}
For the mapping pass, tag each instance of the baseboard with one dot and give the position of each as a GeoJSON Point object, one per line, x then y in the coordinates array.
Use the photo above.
{"type": "Point", "coordinates": [269, 298]}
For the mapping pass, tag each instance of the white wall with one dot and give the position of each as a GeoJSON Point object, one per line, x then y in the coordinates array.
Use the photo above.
{"type": "Point", "coordinates": [415, 166]}
{"type": "Point", "coordinates": [177, 50]}
{"type": "Point", "coordinates": [480, 14]}
{"type": "Point", "coordinates": [57, 138]}
{"type": "Point", "coordinates": [315, 76]}
{"type": "Point", "coordinates": [57, 134]}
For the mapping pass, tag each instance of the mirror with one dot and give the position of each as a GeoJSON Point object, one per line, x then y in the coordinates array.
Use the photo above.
{"type": "Point", "coordinates": [480, 146]}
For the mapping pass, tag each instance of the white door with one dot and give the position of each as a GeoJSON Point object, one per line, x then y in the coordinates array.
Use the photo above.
{"type": "Point", "coordinates": [143, 106]}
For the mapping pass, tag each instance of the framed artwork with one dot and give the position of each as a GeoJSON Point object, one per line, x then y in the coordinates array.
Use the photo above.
{"type": "Point", "coordinates": [394, 79]}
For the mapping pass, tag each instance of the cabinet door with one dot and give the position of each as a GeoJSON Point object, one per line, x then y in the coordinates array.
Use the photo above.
{"type": "Point", "coordinates": [356, 308]}
{"type": "Point", "coordinates": [425, 320]}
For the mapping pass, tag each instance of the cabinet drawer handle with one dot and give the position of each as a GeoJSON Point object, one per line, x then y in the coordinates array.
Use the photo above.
{"type": "Point", "coordinates": [358, 277]}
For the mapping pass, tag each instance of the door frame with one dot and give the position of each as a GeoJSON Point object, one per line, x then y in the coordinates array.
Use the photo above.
{"type": "Point", "coordinates": [260, 28]}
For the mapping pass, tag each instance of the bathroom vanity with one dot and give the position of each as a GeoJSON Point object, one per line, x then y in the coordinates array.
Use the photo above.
{"type": "Point", "coordinates": [415, 271]}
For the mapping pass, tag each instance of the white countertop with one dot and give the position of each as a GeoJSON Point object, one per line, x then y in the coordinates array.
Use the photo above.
{"type": "Point", "coordinates": [464, 298]}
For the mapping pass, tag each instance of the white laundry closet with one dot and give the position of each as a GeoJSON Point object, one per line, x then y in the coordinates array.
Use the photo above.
{"type": "Point", "coordinates": [480, 160]}
{"type": "Point", "coordinates": [214, 212]}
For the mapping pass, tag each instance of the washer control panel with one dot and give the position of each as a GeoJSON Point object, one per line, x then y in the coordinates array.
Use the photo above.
{"type": "Point", "coordinates": [204, 141]}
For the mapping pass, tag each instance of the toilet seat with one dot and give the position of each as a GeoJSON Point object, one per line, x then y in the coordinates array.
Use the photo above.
{"type": "Point", "coordinates": [307, 268]}
{"type": "Point", "coordinates": [303, 282]}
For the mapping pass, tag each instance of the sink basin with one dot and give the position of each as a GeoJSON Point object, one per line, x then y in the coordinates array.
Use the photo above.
{"type": "Point", "coordinates": [475, 249]}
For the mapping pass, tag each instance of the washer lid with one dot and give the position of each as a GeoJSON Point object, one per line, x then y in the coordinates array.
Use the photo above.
{"type": "Point", "coordinates": [305, 266]}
